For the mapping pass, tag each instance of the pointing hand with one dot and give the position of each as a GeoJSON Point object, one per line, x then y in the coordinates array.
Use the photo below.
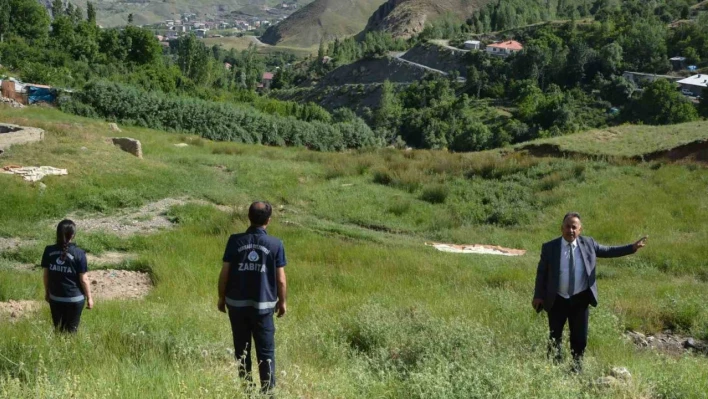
{"type": "Point", "coordinates": [640, 244]}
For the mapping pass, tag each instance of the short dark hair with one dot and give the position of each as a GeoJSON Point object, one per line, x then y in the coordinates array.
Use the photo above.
{"type": "Point", "coordinates": [571, 215]}
{"type": "Point", "coordinates": [259, 212]}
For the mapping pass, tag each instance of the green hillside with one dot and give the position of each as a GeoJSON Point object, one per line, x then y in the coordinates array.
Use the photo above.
{"type": "Point", "coordinates": [320, 19]}
{"type": "Point", "coordinates": [372, 311]}
{"type": "Point", "coordinates": [406, 18]}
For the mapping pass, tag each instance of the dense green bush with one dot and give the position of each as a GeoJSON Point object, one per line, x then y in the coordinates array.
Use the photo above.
{"type": "Point", "coordinates": [213, 120]}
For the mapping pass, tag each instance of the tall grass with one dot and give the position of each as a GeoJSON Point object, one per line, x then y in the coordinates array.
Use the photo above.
{"type": "Point", "coordinates": [373, 313]}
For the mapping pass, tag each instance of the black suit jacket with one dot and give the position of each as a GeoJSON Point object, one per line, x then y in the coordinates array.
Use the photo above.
{"type": "Point", "coordinates": [548, 272]}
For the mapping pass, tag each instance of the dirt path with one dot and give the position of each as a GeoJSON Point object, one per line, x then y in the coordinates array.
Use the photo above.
{"type": "Point", "coordinates": [105, 285]}
{"type": "Point", "coordinates": [148, 219]}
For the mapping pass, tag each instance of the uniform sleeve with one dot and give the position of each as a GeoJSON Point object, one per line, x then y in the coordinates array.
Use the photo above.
{"type": "Point", "coordinates": [82, 265]}
{"type": "Point", "coordinates": [45, 258]}
{"type": "Point", "coordinates": [229, 251]}
{"type": "Point", "coordinates": [280, 257]}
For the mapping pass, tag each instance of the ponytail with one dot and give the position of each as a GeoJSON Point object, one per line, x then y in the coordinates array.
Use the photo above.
{"type": "Point", "coordinates": [65, 232]}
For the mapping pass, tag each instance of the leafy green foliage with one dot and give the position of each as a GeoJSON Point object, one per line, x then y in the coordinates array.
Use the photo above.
{"type": "Point", "coordinates": [25, 18]}
{"type": "Point", "coordinates": [216, 121]}
{"type": "Point", "coordinates": [662, 104]}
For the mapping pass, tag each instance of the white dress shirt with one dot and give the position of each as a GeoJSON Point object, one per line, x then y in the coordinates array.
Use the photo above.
{"type": "Point", "coordinates": [581, 276]}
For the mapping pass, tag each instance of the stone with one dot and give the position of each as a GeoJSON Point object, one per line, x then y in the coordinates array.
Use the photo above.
{"type": "Point", "coordinates": [42, 186]}
{"type": "Point", "coordinates": [16, 135]}
{"type": "Point", "coordinates": [129, 145]}
{"type": "Point", "coordinates": [607, 382]}
{"type": "Point", "coordinates": [114, 127]}
{"type": "Point", "coordinates": [690, 344]}
{"type": "Point", "coordinates": [84, 148]}
{"type": "Point", "coordinates": [181, 145]}
{"type": "Point", "coordinates": [621, 373]}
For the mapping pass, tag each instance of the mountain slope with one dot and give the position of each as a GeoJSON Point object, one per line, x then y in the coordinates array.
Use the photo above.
{"type": "Point", "coordinates": [115, 12]}
{"type": "Point", "coordinates": [405, 18]}
{"type": "Point", "coordinates": [326, 19]}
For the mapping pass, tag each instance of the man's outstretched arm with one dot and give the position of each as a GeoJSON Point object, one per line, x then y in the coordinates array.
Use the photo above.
{"type": "Point", "coordinates": [602, 251]}
{"type": "Point", "coordinates": [223, 279]}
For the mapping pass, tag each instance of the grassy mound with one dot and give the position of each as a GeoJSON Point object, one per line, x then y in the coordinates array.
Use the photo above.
{"type": "Point", "coordinates": [629, 141]}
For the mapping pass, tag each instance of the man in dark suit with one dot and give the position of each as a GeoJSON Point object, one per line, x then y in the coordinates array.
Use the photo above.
{"type": "Point", "coordinates": [565, 283]}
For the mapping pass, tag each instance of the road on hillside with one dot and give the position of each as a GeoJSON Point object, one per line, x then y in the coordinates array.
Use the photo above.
{"type": "Point", "coordinates": [446, 44]}
{"type": "Point", "coordinates": [398, 55]}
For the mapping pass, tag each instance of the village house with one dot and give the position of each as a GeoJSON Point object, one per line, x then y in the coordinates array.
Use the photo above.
{"type": "Point", "coordinates": [267, 79]}
{"type": "Point", "coordinates": [694, 85]}
{"type": "Point", "coordinates": [504, 49]}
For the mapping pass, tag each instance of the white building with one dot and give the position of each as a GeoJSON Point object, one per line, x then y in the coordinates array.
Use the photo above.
{"type": "Point", "coordinates": [472, 45]}
{"type": "Point", "coordinates": [696, 85]}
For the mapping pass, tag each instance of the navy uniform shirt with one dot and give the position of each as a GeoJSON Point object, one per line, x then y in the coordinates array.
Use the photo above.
{"type": "Point", "coordinates": [254, 257]}
{"type": "Point", "coordinates": [64, 274]}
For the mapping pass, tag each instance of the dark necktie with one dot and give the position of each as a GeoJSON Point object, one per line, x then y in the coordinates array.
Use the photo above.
{"type": "Point", "coordinates": [571, 271]}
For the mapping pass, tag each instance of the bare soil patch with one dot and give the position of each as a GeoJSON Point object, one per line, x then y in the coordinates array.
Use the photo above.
{"type": "Point", "coordinates": [7, 244]}
{"type": "Point", "coordinates": [119, 284]}
{"type": "Point", "coordinates": [13, 310]}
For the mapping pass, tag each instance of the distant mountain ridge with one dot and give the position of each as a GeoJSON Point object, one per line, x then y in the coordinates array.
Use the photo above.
{"type": "Point", "coordinates": [330, 19]}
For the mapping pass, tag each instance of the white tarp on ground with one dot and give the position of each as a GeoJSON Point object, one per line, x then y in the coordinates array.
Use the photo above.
{"type": "Point", "coordinates": [476, 249]}
{"type": "Point", "coordinates": [34, 173]}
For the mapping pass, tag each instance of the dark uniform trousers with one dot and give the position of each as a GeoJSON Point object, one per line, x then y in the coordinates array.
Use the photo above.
{"type": "Point", "coordinates": [247, 324]}
{"type": "Point", "coordinates": [66, 315]}
{"type": "Point", "coordinates": [574, 310]}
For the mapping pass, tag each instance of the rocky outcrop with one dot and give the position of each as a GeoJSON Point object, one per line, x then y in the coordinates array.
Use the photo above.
{"type": "Point", "coordinates": [129, 145]}
{"type": "Point", "coordinates": [406, 18]}
{"type": "Point", "coordinates": [668, 342]}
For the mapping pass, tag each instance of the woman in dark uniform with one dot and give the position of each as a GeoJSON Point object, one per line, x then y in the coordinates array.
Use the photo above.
{"type": "Point", "coordinates": [66, 285]}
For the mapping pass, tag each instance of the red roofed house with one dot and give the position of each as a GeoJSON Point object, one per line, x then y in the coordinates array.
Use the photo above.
{"type": "Point", "coordinates": [267, 79]}
{"type": "Point", "coordinates": [504, 49]}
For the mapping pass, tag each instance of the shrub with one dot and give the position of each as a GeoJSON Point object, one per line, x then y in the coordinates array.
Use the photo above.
{"type": "Point", "coordinates": [214, 120]}
{"type": "Point", "coordinates": [435, 194]}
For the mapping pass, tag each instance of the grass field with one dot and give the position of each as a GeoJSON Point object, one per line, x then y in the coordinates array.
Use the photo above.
{"type": "Point", "coordinates": [372, 311]}
{"type": "Point", "coordinates": [628, 141]}
{"type": "Point", "coordinates": [242, 43]}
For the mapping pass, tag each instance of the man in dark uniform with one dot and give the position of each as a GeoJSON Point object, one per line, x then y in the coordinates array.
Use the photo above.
{"type": "Point", "coordinates": [252, 285]}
